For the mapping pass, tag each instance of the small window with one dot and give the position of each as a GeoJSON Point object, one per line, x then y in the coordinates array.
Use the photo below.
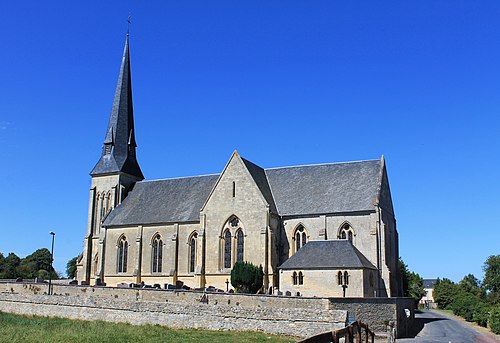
{"type": "Point", "coordinates": [192, 252]}
{"type": "Point", "coordinates": [157, 254]}
{"type": "Point", "coordinates": [346, 232]}
{"type": "Point", "coordinates": [294, 278]}
{"type": "Point", "coordinates": [227, 249]}
{"type": "Point", "coordinates": [300, 238]}
{"type": "Point", "coordinates": [122, 255]}
{"type": "Point", "coordinates": [301, 278]}
{"type": "Point", "coordinates": [234, 189]}
{"type": "Point", "coordinates": [346, 278]}
{"type": "Point", "coordinates": [339, 278]}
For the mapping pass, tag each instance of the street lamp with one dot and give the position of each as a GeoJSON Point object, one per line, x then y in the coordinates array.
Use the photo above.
{"type": "Point", "coordinates": [53, 234]}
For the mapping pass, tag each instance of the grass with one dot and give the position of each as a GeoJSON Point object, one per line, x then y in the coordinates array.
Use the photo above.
{"type": "Point", "coordinates": [15, 328]}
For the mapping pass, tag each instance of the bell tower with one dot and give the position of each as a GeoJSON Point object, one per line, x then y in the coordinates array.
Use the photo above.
{"type": "Point", "coordinates": [113, 176]}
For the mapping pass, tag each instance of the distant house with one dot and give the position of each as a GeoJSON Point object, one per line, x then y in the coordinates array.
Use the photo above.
{"type": "Point", "coordinates": [428, 298]}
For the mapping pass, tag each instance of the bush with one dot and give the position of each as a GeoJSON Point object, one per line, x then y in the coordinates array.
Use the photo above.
{"type": "Point", "coordinates": [246, 277]}
{"type": "Point", "coordinates": [494, 320]}
{"type": "Point", "coordinates": [481, 314]}
{"type": "Point", "coordinates": [463, 306]}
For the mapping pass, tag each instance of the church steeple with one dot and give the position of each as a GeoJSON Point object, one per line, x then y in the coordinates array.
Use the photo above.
{"type": "Point", "coordinates": [118, 151]}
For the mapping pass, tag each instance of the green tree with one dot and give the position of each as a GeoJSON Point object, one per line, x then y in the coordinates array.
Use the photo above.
{"type": "Point", "coordinates": [413, 284]}
{"type": "Point", "coordinates": [491, 281]}
{"type": "Point", "coordinates": [11, 265]}
{"type": "Point", "coordinates": [470, 284]}
{"type": "Point", "coordinates": [494, 319]}
{"type": "Point", "coordinates": [31, 265]}
{"type": "Point", "coordinates": [71, 267]}
{"type": "Point", "coordinates": [246, 277]}
{"type": "Point", "coordinates": [444, 292]}
{"type": "Point", "coordinates": [2, 265]}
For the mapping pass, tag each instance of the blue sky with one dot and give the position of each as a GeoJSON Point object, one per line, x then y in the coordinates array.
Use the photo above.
{"type": "Point", "coordinates": [283, 82]}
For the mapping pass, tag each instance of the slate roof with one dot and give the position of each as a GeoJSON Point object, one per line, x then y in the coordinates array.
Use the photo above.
{"type": "Point", "coordinates": [327, 254]}
{"type": "Point", "coordinates": [429, 283]}
{"type": "Point", "coordinates": [163, 201]}
{"type": "Point", "coordinates": [301, 190]}
{"type": "Point", "coordinates": [260, 178]}
{"type": "Point", "coordinates": [325, 188]}
{"type": "Point", "coordinates": [120, 134]}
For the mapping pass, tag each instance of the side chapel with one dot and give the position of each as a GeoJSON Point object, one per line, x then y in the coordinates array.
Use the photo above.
{"type": "Point", "coordinates": [317, 230]}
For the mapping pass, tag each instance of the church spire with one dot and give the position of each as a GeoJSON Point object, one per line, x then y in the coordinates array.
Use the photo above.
{"type": "Point", "coordinates": [118, 151]}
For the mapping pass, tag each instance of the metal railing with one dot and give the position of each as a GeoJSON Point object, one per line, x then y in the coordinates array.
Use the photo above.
{"type": "Point", "coordinates": [353, 333]}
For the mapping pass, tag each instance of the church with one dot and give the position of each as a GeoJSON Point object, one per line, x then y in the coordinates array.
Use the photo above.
{"type": "Point", "coordinates": [325, 230]}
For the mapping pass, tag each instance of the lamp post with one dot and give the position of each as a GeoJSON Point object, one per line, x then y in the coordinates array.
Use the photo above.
{"type": "Point", "coordinates": [53, 234]}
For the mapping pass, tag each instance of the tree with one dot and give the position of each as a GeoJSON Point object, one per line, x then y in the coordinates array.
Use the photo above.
{"type": "Point", "coordinates": [2, 265]}
{"type": "Point", "coordinates": [71, 267]}
{"type": "Point", "coordinates": [491, 267]}
{"type": "Point", "coordinates": [444, 292]}
{"type": "Point", "coordinates": [246, 277]}
{"type": "Point", "coordinates": [11, 264]}
{"type": "Point", "coordinates": [31, 265]}
{"type": "Point", "coordinates": [470, 284]}
{"type": "Point", "coordinates": [413, 284]}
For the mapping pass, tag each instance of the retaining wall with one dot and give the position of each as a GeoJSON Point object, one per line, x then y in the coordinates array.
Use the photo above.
{"type": "Point", "coordinates": [295, 316]}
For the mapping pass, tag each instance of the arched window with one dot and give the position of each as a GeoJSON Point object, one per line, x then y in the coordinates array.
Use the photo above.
{"type": "Point", "coordinates": [346, 232]}
{"type": "Point", "coordinates": [192, 252]}
{"type": "Point", "coordinates": [122, 254]}
{"type": "Point", "coordinates": [301, 278]}
{"type": "Point", "coordinates": [346, 278]}
{"type": "Point", "coordinates": [300, 238]}
{"type": "Point", "coordinates": [294, 278]}
{"type": "Point", "coordinates": [339, 278]}
{"type": "Point", "coordinates": [227, 249]}
{"type": "Point", "coordinates": [157, 254]}
{"type": "Point", "coordinates": [240, 245]}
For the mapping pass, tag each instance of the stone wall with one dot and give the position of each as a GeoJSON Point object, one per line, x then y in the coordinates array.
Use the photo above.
{"type": "Point", "coordinates": [377, 312]}
{"type": "Point", "coordinates": [174, 309]}
{"type": "Point", "coordinates": [295, 316]}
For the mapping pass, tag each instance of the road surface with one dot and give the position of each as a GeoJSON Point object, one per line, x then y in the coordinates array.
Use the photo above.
{"type": "Point", "coordinates": [434, 327]}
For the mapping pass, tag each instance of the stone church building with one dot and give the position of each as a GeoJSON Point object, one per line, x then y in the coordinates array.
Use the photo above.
{"type": "Point", "coordinates": [316, 230]}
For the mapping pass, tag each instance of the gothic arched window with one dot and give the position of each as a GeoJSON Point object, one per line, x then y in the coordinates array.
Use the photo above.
{"type": "Point", "coordinates": [346, 232]}
{"type": "Point", "coordinates": [192, 252]}
{"type": "Point", "coordinates": [227, 249]}
{"type": "Point", "coordinates": [300, 238]}
{"type": "Point", "coordinates": [346, 278]}
{"type": "Point", "coordinates": [240, 245]}
{"type": "Point", "coordinates": [122, 254]}
{"type": "Point", "coordinates": [339, 278]}
{"type": "Point", "coordinates": [301, 278]}
{"type": "Point", "coordinates": [294, 278]}
{"type": "Point", "coordinates": [157, 254]}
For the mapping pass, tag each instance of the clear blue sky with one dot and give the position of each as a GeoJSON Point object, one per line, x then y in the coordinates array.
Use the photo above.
{"type": "Point", "coordinates": [283, 82]}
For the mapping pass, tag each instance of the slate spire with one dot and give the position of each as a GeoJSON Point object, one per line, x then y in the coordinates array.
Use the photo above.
{"type": "Point", "coordinates": [118, 151]}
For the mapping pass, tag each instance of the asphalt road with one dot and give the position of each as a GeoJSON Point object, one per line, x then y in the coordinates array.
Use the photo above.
{"type": "Point", "coordinates": [433, 327]}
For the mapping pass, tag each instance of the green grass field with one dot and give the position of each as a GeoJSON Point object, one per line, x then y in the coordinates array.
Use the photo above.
{"type": "Point", "coordinates": [14, 328]}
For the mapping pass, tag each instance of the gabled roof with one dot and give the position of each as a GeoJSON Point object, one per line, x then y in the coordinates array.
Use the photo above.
{"type": "Point", "coordinates": [118, 153]}
{"type": "Point", "coordinates": [325, 188]}
{"type": "Point", "coordinates": [163, 201]}
{"type": "Point", "coordinates": [260, 178]}
{"type": "Point", "coordinates": [429, 283]}
{"type": "Point", "coordinates": [301, 190]}
{"type": "Point", "coordinates": [328, 254]}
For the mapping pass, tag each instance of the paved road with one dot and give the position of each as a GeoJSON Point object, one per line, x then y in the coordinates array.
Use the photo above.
{"type": "Point", "coordinates": [433, 327]}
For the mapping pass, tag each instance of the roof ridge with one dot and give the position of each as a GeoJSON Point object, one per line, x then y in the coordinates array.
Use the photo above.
{"type": "Point", "coordinates": [178, 178]}
{"type": "Point", "coordinates": [322, 164]}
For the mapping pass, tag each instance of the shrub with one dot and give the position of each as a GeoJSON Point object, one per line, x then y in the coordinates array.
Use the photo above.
{"type": "Point", "coordinates": [481, 314]}
{"type": "Point", "coordinates": [246, 277]}
{"type": "Point", "coordinates": [494, 320]}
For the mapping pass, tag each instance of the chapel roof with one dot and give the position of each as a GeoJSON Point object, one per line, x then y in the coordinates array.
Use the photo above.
{"type": "Point", "coordinates": [301, 190]}
{"type": "Point", "coordinates": [327, 254]}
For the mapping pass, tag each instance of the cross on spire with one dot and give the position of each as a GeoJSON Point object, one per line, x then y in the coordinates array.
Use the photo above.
{"type": "Point", "coordinates": [128, 25]}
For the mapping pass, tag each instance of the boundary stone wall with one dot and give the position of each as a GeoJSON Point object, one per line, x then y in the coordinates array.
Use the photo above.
{"type": "Point", "coordinates": [293, 316]}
